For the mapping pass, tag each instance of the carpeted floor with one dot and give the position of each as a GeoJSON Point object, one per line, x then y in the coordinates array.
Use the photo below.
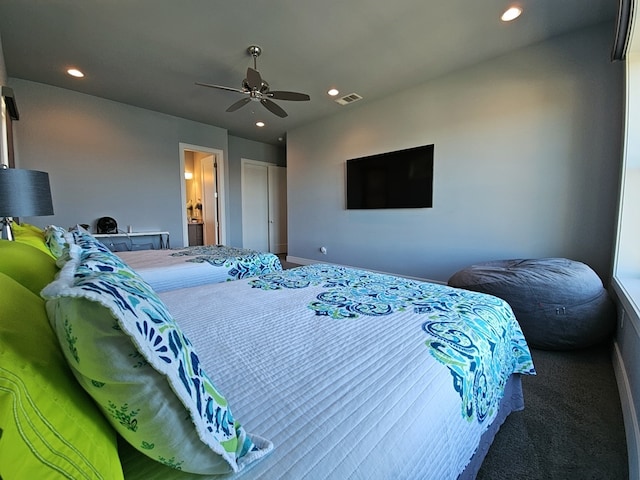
{"type": "Point", "coordinates": [571, 427]}
{"type": "Point", "coordinates": [283, 260]}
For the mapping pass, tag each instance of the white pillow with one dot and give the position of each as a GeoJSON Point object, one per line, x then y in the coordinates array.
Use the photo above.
{"type": "Point", "coordinates": [128, 353]}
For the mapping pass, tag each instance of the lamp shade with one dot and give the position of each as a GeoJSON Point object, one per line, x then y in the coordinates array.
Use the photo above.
{"type": "Point", "coordinates": [24, 193]}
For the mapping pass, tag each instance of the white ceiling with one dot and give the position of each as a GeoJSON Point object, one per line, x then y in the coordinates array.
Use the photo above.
{"type": "Point", "coordinates": [149, 53]}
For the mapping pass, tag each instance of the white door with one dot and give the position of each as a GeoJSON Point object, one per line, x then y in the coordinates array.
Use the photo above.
{"type": "Point", "coordinates": [264, 207]}
{"type": "Point", "coordinates": [277, 209]}
{"type": "Point", "coordinates": [255, 206]}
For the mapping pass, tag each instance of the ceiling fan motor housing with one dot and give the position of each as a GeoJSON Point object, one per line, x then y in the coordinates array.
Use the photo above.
{"type": "Point", "coordinates": [254, 51]}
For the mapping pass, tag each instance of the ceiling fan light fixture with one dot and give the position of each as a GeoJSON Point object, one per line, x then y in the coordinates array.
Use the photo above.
{"type": "Point", "coordinates": [511, 14]}
{"type": "Point", "coordinates": [255, 88]}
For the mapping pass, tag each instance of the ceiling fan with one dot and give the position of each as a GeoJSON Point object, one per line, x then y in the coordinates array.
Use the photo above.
{"type": "Point", "coordinates": [256, 89]}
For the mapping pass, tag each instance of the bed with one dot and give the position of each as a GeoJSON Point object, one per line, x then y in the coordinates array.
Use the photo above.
{"type": "Point", "coordinates": [353, 374]}
{"type": "Point", "coordinates": [330, 373]}
{"type": "Point", "coordinates": [198, 265]}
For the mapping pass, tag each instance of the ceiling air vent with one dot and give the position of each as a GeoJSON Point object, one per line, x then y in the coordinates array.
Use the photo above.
{"type": "Point", "coordinates": [347, 99]}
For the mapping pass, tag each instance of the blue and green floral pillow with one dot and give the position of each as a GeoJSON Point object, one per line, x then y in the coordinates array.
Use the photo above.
{"type": "Point", "coordinates": [57, 240]}
{"type": "Point", "coordinates": [128, 353]}
{"type": "Point", "coordinates": [86, 241]}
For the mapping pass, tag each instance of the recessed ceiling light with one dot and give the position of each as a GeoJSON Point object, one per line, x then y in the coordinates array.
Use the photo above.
{"type": "Point", "coordinates": [74, 72]}
{"type": "Point", "coordinates": [333, 92]}
{"type": "Point", "coordinates": [511, 14]}
{"type": "Point", "coordinates": [259, 124]}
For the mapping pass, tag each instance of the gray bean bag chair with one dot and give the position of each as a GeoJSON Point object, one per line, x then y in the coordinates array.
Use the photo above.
{"type": "Point", "coordinates": [559, 303]}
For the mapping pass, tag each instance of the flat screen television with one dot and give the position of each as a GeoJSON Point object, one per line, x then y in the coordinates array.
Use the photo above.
{"type": "Point", "coordinates": [400, 179]}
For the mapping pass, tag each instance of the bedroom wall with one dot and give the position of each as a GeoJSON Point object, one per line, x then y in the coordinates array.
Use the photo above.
{"type": "Point", "coordinates": [108, 158]}
{"type": "Point", "coordinates": [3, 67]}
{"type": "Point", "coordinates": [3, 81]}
{"type": "Point", "coordinates": [527, 154]}
{"type": "Point", "coordinates": [626, 364]}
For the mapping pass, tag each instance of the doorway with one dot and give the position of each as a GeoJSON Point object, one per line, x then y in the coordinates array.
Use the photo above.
{"type": "Point", "coordinates": [264, 206]}
{"type": "Point", "coordinates": [202, 195]}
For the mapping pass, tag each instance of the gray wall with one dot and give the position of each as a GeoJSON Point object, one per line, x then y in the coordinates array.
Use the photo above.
{"type": "Point", "coordinates": [3, 81]}
{"type": "Point", "coordinates": [3, 68]}
{"type": "Point", "coordinates": [240, 148]}
{"type": "Point", "coordinates": [626, 364]}
{"type": "Point", "coordinates": [109, 159]}
{"type": "Point", "coordinates": [105, 158]}
{"type": "Point", "coordinates": [527, 154]}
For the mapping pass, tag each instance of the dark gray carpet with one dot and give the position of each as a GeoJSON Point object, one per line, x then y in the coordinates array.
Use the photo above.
{"type": "Point", "coordinates": [286, 265]}
{"type": "Point", "coordinates": [571, 427]}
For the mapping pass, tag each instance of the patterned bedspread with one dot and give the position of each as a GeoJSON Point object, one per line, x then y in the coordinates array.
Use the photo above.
{"type": "Point", "coordinates": [239, 262]}
{"type": "Point", "coordinates": [191, 266]}
{"type": "Point", "coordinates": [350, 373]}
{"type": "Point", "coordinates": [479, 354]}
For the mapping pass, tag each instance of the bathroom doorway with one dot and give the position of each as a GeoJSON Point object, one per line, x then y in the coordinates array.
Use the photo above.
{"type": "Point", "coordinates": [202, 195]}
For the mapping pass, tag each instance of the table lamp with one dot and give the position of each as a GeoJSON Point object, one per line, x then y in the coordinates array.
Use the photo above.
{"type": "Point", "coordinates": [23, 193]}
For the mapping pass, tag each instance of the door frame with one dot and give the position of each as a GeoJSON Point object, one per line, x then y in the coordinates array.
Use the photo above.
{"type": "Point", "coordinates": [211, 217]}
{"type": "Point", "coordinates": [222, 197]}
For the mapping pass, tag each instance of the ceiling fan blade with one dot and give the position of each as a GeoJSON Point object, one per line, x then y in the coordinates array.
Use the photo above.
{"type": "Point", "coordinates": [240, 103]}
{"type": "Point", "coordinates": [273, 107]}
{"type": "Point", "coordinates": [254, 80]}
{"type": "Point", "coordinates": [220, 87]}
{"type": "Point", "coordinates": [295, 96]}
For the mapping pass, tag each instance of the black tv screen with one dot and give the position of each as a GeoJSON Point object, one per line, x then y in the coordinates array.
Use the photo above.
{"type": "Point", "coordinates": [400, 179]}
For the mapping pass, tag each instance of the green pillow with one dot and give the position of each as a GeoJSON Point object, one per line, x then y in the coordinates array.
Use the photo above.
{"type": "Point", "coordinates": [31, 235]}
{"type": "Point", "coordinates": [27, 265]}
{"type": "Point", "coordinates": [50, 428]}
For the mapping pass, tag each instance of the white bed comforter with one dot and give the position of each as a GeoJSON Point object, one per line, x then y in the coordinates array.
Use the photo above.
{"type": "Point", "coordinates": [192, 266]}
{"type": "Point", "coordinates": [352, 375]}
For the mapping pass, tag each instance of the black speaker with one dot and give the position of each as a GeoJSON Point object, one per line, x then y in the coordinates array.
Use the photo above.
{"type": "Point", "coordinates": [107, 225]}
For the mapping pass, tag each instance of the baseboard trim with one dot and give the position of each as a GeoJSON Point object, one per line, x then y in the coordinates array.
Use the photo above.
{"type": "Point", "coordinates": [301, 261]}
{"type": "Point", "coordinates": [632, 430]}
